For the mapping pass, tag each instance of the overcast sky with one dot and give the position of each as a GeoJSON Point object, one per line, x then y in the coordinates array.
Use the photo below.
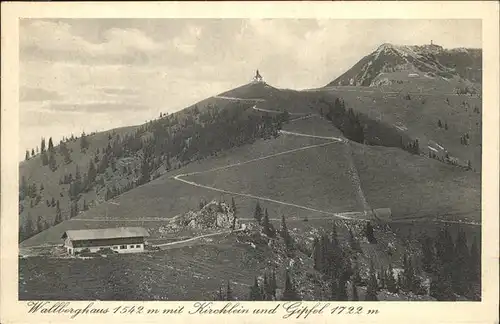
{"type": "Point", "coordinates": [96, 74]}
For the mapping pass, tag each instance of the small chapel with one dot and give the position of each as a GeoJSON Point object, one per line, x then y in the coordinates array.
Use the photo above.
{"type": "Point", "coordinates": [257, 78]}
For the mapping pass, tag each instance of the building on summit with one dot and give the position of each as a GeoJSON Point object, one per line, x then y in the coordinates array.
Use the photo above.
{"type": "Point", "coordinates": [121, 240]}
{"type": "Point", "coordinates": [258, 78]}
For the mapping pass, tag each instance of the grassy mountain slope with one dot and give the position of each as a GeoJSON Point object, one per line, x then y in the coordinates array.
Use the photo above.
{"type": "Point", "coordinates": [237, 152]}
{"type": "Point", "coordinates": [432, 60]}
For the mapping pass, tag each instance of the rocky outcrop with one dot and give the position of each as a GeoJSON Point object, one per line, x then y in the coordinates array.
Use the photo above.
{"type": "Point", "coordinates": [213, 215]}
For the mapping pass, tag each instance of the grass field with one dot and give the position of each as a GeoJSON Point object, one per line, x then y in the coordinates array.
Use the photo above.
{"type": "Point", "coordinates": [195, 272]}
{"type": "Point", "coordinates": [188, 273]}
{"type": "Point", "coordinates": [412, 185]}
{"type": "Point", "coordinates": [420, 116]}
{"type": "Point", "coordinates": [315, 178]}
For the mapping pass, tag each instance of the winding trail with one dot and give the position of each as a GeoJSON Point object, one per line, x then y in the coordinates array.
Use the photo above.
{"type": "Point", "coordinates": [173, 244]}
{"type": "Point", "coordinates": [352, 171]}
{"type": "Point", "coordinates": [332, 140]}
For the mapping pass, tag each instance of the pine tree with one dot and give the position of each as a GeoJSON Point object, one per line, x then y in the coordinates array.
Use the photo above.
{"type": "Point", "coordinates": [42, 145]}
{"type": "Point", "coordinates": [84, 144]}
{"type": "Point", "coordinates": [371, 290]}
{"type": "Point", "coordinates": [334, 294]}
{"type": "Point", "coordinates": [390, 281]}
{"type": "Point", "coordinates": [258, 213]}
{"type": "Point", "coordinates": [342, 290]}
{"type": "Point", "coordinates": [354, 244]}
{"type": "Point", "coordinates": [28, 227]}
{"type": "Point", "coordinates": [255, 290]}
{"type": "Point", "coordinates": [233, 205]}
{"type": "Point", "coordinates": [441, 287]}
{"type": "Point", "coordinates": [39, 224]}
{"type": "Point", "coordinates": [45, 159]}
{"type": "Point", "coordinates": [58, 218]}
{"type": "Point", "coordinates": [27, 156]}
{"type": "Point", "coordinates": [266, 294]}
{"type": "Point", "coordinates": [317, 255]}
{"type": "Point", "coordinates": [52, 161]}
{"type": "Point", "coordinates": [369, 233]}
{"type": "Point", "coordinates": [220, 295]}
{"type": "Point", "coordinates": [354, 295]}
{"type": "Point", "coordinates": [273, 284]}
{"type": "Point", "coordinates": [267, 227]}
{"type": "Point", "coordinates": [428, 258]}
{"type": "Point", "coordinates": [289, 293]}
{"type": "Point", "coordinates": [51, 145]}
{"type": "Point", "coordinates": [475, 261]}
{"type": "Point", "coordinates": [460, 274]}
{"type": "Point", "coordinates": [285, 234]}
{"type": "Point", "coordinates": [32, 152]}
{"type": "Point", "coordinates": [229, 292]}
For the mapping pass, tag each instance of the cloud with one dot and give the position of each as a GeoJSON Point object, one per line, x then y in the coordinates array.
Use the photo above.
{"type": "Point", "coordinates": [55, 41]}
{"type": "Point", "coordinates": [97, 107]}
{"type": "Point", "coordinates": [119, 91]}
{"type": "Point", "coordinates": [37, 94]}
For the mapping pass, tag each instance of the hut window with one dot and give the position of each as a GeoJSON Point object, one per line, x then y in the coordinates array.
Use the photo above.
{"type": "Point", "coordinates": [123, 246]}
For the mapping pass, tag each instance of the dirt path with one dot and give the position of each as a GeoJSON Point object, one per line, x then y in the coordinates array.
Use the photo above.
{"type": "Point", "coordinates": [276, 111]}
{"type": "Point", "coordinates": [173, 244]}
{"type": "Point", "coordinates": [238, 99]}
{"type": "Point", "coordinates": [337, 140]}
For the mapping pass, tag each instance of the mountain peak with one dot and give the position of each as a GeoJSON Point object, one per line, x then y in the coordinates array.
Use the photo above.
{"type": "Point", "coordinates": [411, 59]}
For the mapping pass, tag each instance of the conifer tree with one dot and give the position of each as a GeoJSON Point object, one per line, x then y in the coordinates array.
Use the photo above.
{"type": "Point", "coordinates": [91, 174]}
{"type": "Point", "coordinates": [28, 227]}
{"type": "Point", "coordinates": [354, 244]}
{"type": "Point", "coordinates": [460, 274]}
{"type": "Point", "coordinates": [42, 147]}
{"type": "Point", "coordinates": [267, 227]}
{"type": "Point", "coordinates": [390, 281]}
{"type": "Point", "coordinates": [334, 287]}
{"type": "Point", "coordinates": [289, 293]}
{"type": "Point", "coordinates": [233, 205]}
{"type": "Point", "coordinates": [371, 290]}
{"type": "Point", "coordinates": [229, 292]}
{"type": "Point", "coordinates": [428, 255]}
{"type": "Point", "coordinates": [266, 288]}
{"type": "Point", "coordinates": [285, 234]}
{"type": "Point", "coordinates": [273, 284]}
{"type": "Point", "coordinates": [255, 290]}
{"type": "Point", "coordinates": [317, 255]}
{"type": "Point", "coordinates": [39, 224]}
{"type": "Point", "coordinates": [475, 261]}
{"type": "Point", "coordinates": [32, 152]}
{"type": "Point", "coordinates": [354, 295]}
{"type": "Point", "coordinates": [27, 156]}
{"type": "Point", "coordinates": [45, 159]}
{"type": "Point", "coordinates": [258, 213]}
{"type": "Point", "coordinates": [52, 161]}
{"type": "Point", "coordinates": [342, 290]}
{"type": "Point", "coordinates": [441, 287]}
{"type": "Point", "coordinates": [369, 233]}
{"type": "Point", "coordinates": [58, 218]}
{"type": "Point", "coordinates": [51, 145]}
{"type": "Point", "coordinates": [220, 294]}
{"type": "Point", "coordinates": [335, 239]}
